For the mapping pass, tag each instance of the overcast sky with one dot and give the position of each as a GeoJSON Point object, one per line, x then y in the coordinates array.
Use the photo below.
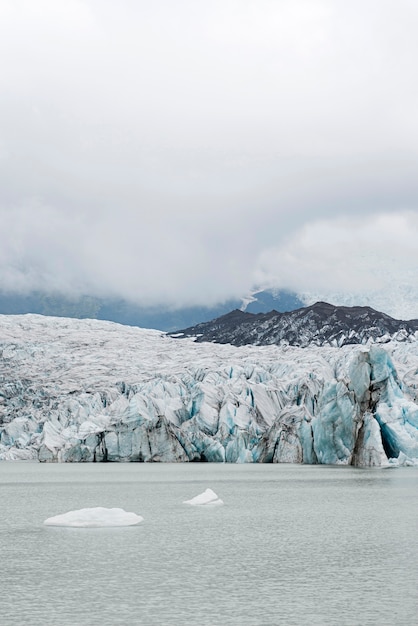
{"type": "Point", "coordinates": [181, 151]}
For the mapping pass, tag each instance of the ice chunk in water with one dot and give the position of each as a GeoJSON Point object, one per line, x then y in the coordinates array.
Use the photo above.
{"type": "Point", "coordinates": [207, 497]}
{"type": "Point", "coordinates": [96, 517]}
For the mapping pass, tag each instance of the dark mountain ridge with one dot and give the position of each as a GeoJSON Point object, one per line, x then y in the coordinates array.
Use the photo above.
{"type": "Point", "coordinates": [318, 324]}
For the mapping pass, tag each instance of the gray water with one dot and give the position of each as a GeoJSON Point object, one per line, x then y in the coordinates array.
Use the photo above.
{"type": "Point", "coordinates": [293, 545]}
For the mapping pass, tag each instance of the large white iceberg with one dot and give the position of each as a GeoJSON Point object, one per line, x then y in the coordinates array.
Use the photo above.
{"type": "Point", "coordinates": [97, 517]}
{"type": "Point", "coordinates": [205, 498]}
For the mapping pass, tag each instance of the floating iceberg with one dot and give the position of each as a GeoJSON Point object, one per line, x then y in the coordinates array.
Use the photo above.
{"type": "Point", "coordinates": [97, 517]}
{"type": "Point", "coordinates": [207, 497]}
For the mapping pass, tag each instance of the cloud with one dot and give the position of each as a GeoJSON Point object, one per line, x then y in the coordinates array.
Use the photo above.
{"type": "Point", "coordinates": [163, 151]}
{"type": "Point", "coordinates": [352, 255]}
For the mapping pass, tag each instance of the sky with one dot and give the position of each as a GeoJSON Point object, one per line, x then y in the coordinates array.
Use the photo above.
{"type": "Point", "coordinates": [182, 152]}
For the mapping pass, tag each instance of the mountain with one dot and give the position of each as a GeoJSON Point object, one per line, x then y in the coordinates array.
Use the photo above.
{"type": "Point", "coordinates": [400, 303]}
{"type": "Point", "coordinates": [86, 390]}
{"type": "Point", "coordinates": [319, 324]}
{"type": "Point", "coordinates": [131, 314]}
{"type": "Point", "coordinates": [264, 300]}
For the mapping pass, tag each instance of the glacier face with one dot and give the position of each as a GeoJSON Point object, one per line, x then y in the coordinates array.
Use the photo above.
{"type": "Point", "coordinates": [86, 390]}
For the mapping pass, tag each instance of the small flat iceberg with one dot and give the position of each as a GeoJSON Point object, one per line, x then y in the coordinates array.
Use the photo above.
{"type": "Point", "coordinates": [97, 517]}
{"type": "Point", "coordinates": [205, 498]}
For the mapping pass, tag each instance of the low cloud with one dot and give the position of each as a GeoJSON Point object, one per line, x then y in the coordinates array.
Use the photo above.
{"type": "Point", "coordinates": [370, 258]}
{"type": "Point", "coordinates": [177, 152]}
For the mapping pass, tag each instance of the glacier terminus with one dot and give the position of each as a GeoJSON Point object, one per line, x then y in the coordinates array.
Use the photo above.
{"type": "Point", "coordinates": [93, 391]}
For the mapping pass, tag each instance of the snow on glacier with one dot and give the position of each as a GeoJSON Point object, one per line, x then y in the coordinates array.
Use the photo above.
{"type": "Point", "coordinates": [87, 390]}
{"type": "Point", "coordinates": [96, 517]}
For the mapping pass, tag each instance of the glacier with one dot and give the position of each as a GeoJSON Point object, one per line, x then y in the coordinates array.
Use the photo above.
{"type": "Point", "coordinates": [92, 391]}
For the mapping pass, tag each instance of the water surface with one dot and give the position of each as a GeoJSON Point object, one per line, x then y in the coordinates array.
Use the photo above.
{"type": "Point", "coordinates": [293, 545]}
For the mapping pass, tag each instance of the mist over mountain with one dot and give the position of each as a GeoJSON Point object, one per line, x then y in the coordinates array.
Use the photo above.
{"type": "Point", "coordinates": [131, 314]}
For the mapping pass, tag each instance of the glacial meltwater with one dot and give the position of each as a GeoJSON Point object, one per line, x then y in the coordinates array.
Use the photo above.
{"type": "Point", "coordinates": [292, 545]}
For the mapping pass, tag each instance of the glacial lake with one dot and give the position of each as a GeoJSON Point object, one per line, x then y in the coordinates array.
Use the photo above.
{"type": "Point", "coordinates": [292, 545]}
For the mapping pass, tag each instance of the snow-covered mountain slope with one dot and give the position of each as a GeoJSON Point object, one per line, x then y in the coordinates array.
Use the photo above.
{"type": "Point", "coordinates": [320, 324]}
{"type": "Point", "coordinates": [265, 300]}
{"type": "Point", "coordinates": [400, 300]}
{"type": "Point", "coordinates": [85, 390]}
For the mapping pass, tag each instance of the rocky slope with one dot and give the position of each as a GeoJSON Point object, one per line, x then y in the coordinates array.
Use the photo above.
{"type": "Point", "coordinates": [320, 324]}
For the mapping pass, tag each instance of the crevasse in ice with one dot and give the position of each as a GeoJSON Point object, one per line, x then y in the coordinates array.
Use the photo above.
{"type": "Point", "coordinates": [84, 390]}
